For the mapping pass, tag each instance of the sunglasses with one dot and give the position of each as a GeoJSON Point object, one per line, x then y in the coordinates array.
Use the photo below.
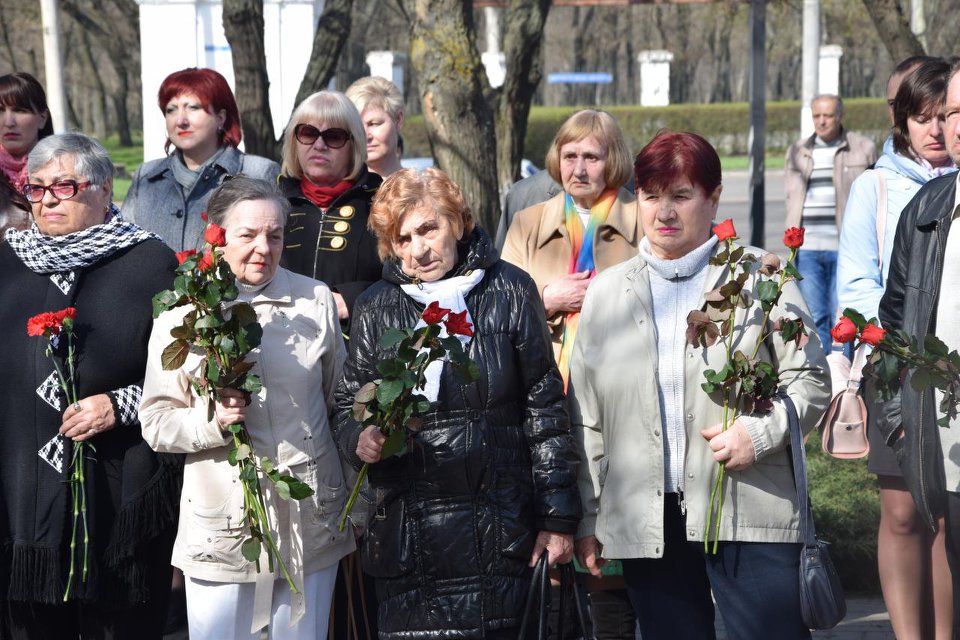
{"type": "Point", "coordinates": [61, 190]}
{"type": "Point", "coordinates": [334, 138]}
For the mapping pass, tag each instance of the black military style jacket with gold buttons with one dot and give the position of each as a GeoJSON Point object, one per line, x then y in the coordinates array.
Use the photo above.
{"type": "Point", "coordinates": [333, 246]}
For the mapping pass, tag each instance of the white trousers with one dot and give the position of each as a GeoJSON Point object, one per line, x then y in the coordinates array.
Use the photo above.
{"type": "Point", "coordinates": [224, 611]}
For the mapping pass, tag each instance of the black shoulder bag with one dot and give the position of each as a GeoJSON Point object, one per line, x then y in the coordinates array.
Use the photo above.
{"type": "Point", "coordinates": [536, 611]}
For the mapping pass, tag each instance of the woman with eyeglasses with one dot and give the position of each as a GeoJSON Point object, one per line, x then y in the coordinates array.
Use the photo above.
{"type": "Point", "coordinates": [325, 177]}
{"type": "Point", "coordinates": [79, 252]}
{"type": "Point", "coordinates": [169, 195]}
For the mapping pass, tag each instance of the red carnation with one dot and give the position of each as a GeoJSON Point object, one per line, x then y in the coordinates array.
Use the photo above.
{"type": "Point", "coordinates": [183, 255]}
{"type": "Point", "coordinates": [872, 334]}
{"type": "Point", "coordinates": [793, 237]}
{"type": "Point", "coordinates": [457, 324]}
{"type": "Point", "coordinates": [845, 331]}
{"type": "Point", "coordinates": [725, 230]}
{"type": "Point", "coordinates": [206, 260]}
{"type": "Point", "coordinates": [43, 324]}
{"type": "Point", "coordinates": [434, 313]}
{"type": "Point", "coordinates": [215, 235]}
{"type": "Point", "coordinates": [69, 312]}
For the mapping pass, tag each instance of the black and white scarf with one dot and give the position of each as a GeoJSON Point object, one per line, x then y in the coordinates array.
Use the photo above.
{"type": "Point", "coordinates": [62, 256]}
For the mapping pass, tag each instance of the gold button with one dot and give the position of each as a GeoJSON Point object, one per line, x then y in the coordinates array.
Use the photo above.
{"type": "Point", "coordinates": [341, 226]}
{"type": "Point", "coordinates": [346, 212]}
{"type": "Point", "coordinates": [336, 243]}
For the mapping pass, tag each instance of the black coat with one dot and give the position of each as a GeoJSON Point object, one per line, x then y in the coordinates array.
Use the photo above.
{"type": "Point", "coordinates": [909, 303]}
{"type": "Point", "coordinates": [344, 256]}
{"type": "Point", "coordinates": [493, 464]}
{"type": "Point", "coordinates": [133, 493]}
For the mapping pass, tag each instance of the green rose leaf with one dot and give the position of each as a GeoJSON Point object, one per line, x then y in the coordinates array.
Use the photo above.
{"type": "Point", "coordinates": [250, 549]}
{"type": "Point", "coordinates": [251, 384]}
{"type": "Point", "coordinates": [388, 391]}
{"type": "Point", "coordinates": [298, 490]}
{"type": "Point", "coordinates": [242, 452]}
{"type": "Point", "coordinates": [165, 300]}
{"type": "Point", "coordinates": [208, 321]}
{"type": "Point", "coordinates": [283, 490]}
{"type": "Point", "coordinates": [392, 337]}
{"type": "Point", "coordinates": [395, 443]}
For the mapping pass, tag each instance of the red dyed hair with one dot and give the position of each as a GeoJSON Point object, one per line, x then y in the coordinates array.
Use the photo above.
{"type": "Point", "coordinates": [674, 156]}
{"type": "Point", "coordinates": [214, 94]}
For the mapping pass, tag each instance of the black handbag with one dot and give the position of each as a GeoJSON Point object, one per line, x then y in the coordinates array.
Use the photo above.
{"type": "Point", "coordinates": [538, 602]}
{"type": "Point", "coordinates": [822, 603]}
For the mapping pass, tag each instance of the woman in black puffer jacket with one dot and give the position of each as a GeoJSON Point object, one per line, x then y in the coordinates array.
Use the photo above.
{"type": "Point", "coordinates": [489, 482]}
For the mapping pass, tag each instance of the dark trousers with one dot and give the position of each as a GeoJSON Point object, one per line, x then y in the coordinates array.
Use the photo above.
{"type": "Point", "coordinates": [613, 615]}
{"type": "Point", "coordinates": [755, 586]}
{"type": "Point", "coordinates": [952, 531]}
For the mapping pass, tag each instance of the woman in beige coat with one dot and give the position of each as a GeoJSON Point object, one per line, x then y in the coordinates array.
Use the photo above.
{"type": "Point", "coordinates": [591, 226]}
{"type": "Point", "coordinates": [650, 436]}
{"type": "Point", "coordinates": [300, 360]}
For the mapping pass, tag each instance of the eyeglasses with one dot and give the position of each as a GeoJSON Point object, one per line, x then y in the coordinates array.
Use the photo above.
{"type": "Point", "coordinates": [333, 138]}
{"type": "Point", "coordinates": [61, 190]}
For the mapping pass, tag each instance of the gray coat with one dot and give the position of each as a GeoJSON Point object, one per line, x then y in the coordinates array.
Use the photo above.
{"type": "Point", "coordinates": [156, 201]}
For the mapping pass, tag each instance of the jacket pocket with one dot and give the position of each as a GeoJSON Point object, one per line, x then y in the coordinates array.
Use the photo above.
{"type": "Point", "coordinates": [603, 466]}
{"type": "Point", "coordinates": [215, 536]}
{"type": "Point", "coordinates": [388, 544]}
{"type": "Point", "coordinates": [328, 503]}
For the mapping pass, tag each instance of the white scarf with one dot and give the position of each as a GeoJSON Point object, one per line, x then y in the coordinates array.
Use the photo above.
{"type": "Point", "coordinates": [449, 293]}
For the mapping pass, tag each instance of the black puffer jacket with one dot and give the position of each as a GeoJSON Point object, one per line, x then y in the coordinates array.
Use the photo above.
{"type": "Point", "coordinates": [493, 465]}
{"type": "Point", "coordinates": [910, 302]}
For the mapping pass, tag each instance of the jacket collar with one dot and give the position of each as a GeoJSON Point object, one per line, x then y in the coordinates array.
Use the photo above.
{"type": "Point", "coordinates": [622, 218]}
{"type": "Point", "coordinates": [476, 251]}
{"type": "Point", "coordinates": [278, 292]}
{"type": "Point", "coordinates": [844, 143]}
{"type": "Point", "coordinates": [366, 181]}
{"type": "Point", "coordinates": [938, 205]}
{"type": "Point", "coordinates": [229, 163]}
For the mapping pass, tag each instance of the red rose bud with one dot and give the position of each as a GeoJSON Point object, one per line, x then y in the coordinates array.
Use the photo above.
{"type": "Point", "coordinates": [793, 237]}
{"type": "Point", "coordinates": [434, 313]}
{"type": "Point", "coordinates": [206, 260]}
{"type": "Point", "coordinates": [183, 255]}
{"type": "Point", "coordinates": [457, 324]}
{"type": "Point", "coordinates": [845, 331]}
{"type": "Point", "coordinates": [215, 235]}
{"type": "Point", "coordinates": [872, 334]}
{"type": "Point", "coordinates": [725, 230]}
{"type": "Point", "coordinates": [204, 216]}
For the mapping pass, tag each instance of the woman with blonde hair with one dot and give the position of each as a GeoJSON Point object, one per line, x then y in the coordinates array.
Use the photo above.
{"type": "Point", "coordinates": [325, 177]}
{"type": "Point", "coordinates": [380, 104]}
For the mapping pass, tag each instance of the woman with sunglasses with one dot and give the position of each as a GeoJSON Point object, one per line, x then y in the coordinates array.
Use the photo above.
{"type": "Point", "coordinates": [325, 177]}
{"type": "Point", "coordinates": [80, 253]}
{"type": "Point", "coordinates": [169, 195]}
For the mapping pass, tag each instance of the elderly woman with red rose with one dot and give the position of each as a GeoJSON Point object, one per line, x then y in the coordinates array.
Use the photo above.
{"type": "Point", "coordinates": [638, 396]}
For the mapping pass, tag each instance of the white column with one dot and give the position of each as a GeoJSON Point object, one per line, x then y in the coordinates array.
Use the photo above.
{"type": "Point", "coordinates": [389, 65]}
{"type": "Point", "coordinates": [493, 59]}
{"type": "Point", "coordinates": [655, 77]}
{"type": "Point", "coordinates": [177, 34]}
{"type": "Point", "coordinates": [53, 64]}
{"type": "Point", "coordinates": [830, 55]}
{"type": "Point", "coordinates": [811, 57]}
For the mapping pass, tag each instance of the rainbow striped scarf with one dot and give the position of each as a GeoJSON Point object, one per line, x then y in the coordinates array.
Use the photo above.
{"type": "Point", "coordinates": [581, 259]}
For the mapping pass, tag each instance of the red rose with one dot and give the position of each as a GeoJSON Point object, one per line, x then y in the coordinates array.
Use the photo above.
{"type": "Point", "coordinates": [434, 313]}
{"type": "Point", "coordinates": [206, 260]}
{"type": "Point", "coordinates": [215, 235]}
{"type": "Point", "coordinates": [725, 230]}
{"type": "Point", "coordinates": [203, 216]}
{"type": "Point", "coordinates": [457, 324]}
{"type": "Point", "coordinates": [845, 331]}
{"type": "Point", "coordinates": [872, 334]}
{"type": "Point", "coordinates": [183, 255]}
{"type": "Point", "coordinates": [793, 237]}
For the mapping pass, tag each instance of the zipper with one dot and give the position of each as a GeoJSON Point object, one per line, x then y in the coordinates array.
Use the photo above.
{"type": "Point", "coordinates": [316, 252]}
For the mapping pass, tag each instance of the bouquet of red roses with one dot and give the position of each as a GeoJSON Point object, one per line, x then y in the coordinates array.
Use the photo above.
{"type": "Point", "coordinates": [54, 325]}
{"type": "Point", "coordinates": [224, 336]}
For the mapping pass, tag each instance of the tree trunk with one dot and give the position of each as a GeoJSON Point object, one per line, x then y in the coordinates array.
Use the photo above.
{"type": "Point", "coordinates": [243, 25]}
{"type": "Point", "coordinates": [459, 122]}
{"type": "Point", "coordinates": [522, 38]}
{"type": "Point", "coordinates": [98, 97]}
{"type": "Point", "coordinates": [333, 28]}
{"type": "Point", "coordinates": [120, 108]}
{"type": "Point", "coordinates": [893, 27]}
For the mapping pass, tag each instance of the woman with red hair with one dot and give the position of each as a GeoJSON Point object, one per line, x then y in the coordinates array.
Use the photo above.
{"type": "Point", "coordinates": [650, 438]}
{"type": "Point", "coordinates": [169, 195]}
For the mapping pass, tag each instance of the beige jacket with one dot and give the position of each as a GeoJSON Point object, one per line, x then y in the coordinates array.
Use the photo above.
{"type": "Point", "coordinates": [300, 361]}
{"type": "Point", "coordinates": [855, 155]}
{"type": "Point", "coordinates": [537, 242]}
{"type": "Point", "coordinates": [615, 413]}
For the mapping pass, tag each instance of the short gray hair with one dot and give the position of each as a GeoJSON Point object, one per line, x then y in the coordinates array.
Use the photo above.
{"type": "Point", "coordinates": [241, 188]}
{"type": "Point", "coordinates": [90, 160]}
{"type": "Point", "coordinates": [832, 96]}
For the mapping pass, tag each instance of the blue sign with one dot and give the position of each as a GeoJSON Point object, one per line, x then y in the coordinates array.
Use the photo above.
{"type": "Point", "coordinates": [581, 77]}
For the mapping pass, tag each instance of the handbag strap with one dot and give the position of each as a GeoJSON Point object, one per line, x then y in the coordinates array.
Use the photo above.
{"type": "Point", "coordinates": [807, 529]}
{"type": "Point", "coordinates": [538, 593]}
{"type": "Point", "coordinates": [856, 368]}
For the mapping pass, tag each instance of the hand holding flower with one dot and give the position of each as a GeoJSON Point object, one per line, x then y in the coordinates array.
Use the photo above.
{"type": "Point", "coordinates": [370, 444]}
{"type": "Point", "coordinates": [231, 408]}
{"type": "Point", "coordinates": [732, 447]}
{"type": "Point", "coordinates": [94, 417]}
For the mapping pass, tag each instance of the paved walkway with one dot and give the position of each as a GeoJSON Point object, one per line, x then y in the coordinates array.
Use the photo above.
{"type": "Point", "coordinates": [866, 619]}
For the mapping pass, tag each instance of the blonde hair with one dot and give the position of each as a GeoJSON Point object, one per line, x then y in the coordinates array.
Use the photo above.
{"type": "Point", "coordinates": [376, 92]}
{"type": "Point", "coordinates": [407, 189]}
{"type": "Point", "coordinates": [335, 110]}
{"type": "Point", "coordinates": [605, 128]}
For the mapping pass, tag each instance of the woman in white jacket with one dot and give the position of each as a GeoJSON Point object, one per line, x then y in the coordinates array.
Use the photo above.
{"type": "Point", "coordinates": [299, 361]}
{"type": "Point", "coordinates": [911, 559]}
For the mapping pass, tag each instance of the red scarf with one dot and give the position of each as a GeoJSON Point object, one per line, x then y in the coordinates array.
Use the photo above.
{"type": "Point", "coordinates": [15, 169]}
{"type": "Point", "coordinates": [323, 196]}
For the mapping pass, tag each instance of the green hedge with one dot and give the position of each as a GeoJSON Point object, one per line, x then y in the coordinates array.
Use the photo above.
{"type": "Point", "coordinates": [726, 125]}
